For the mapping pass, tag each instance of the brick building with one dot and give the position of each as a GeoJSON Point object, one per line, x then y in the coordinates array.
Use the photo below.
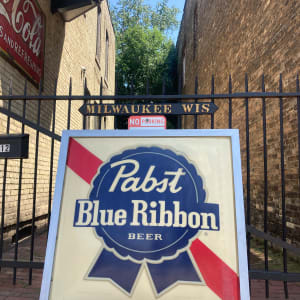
{"type": "Point", "coordinates": [230, 37]}
{"type": "Point", "coordinates": [71, 39]}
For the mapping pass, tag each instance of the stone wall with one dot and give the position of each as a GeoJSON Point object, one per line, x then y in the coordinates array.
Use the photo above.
{"type": "Point", "coordinates": [70, 52]}
{"type": "Point", "coordinates": [234, 37]}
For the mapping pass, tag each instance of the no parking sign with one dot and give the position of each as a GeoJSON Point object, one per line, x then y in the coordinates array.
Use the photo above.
{"type": "Point", "coordinates": [147, 122]}
{"type": "Point", "coordinates": [145, 216]}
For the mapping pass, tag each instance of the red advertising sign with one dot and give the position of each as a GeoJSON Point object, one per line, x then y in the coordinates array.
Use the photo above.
{"type": "Point", "coordinates": [144, 122]}
{"type": "Point", "coordinates": [22, 36]}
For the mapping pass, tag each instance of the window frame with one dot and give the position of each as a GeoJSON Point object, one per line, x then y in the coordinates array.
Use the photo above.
{"type": "Point", "coordinates": [98, 35]}
{"type": "Point", "coordinates": [106, 56]}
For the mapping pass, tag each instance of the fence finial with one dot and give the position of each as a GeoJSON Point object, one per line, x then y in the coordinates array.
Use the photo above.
{"type": "Point", "coordinates": [55, 86]}
{"type": "Point", "coordinates": [41, 88]}
{"type": "Point", "coordinates": [280, 83]}
{"type": "Point", "coordinates": [263, 83]}
{"type": "Point", "coordinates": [246, 82]}
{"type": "Point", "coordinates": [10, 87]}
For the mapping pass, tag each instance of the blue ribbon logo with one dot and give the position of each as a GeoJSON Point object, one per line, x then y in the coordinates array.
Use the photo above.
{"type": "Point", "coordinates": [147, 205]}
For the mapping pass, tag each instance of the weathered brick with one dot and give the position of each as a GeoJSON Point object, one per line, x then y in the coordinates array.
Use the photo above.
{"type": "Point", "coordinates": [235, 37]}
{"type": "Point", "coordinates": [69, 47]}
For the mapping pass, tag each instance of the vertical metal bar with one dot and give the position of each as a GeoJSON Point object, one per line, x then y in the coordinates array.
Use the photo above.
{"type": "Point", "coordinates": [266, 249]}
{"type": "Point", "coordinates": [248, 196]}
{"type": "Point", "coordinates": [19, 190]}
{"type": "Point", "coordinates": [230, 104]}
{"type": "Point", "coordinates": [85, 101]}
{"type": "Point", "coordinates": [298, 114]}
{"type": "Point", "coordinates": [131, 90]}
{"type": "Point", "coordinates": [116, 86]}
{"type": "Point", "coordinates": [4, 183]}
{"type": "Point", "coordinates": [163, 90]}
{"type": "Point", "coordinates": [10, 88]}
{"type": "Point", "coordinates": [196, 92]}
{"type": "Point", "coordinates": [100, 93]}
{"type": "Point", "coordinates": [69, 104]}
{"type": "Point", "coordinates": [164, 86]}
{"type": "Point", "coordinates": [115, 117]}
{"type": "Point", "coordinates": [179, 122]}
{"type": "Point", "coordinates": [35, 185]}
{"type": "Point", "coordinates": [52, 155]}
{"type": "Point", "coordinates": [283, 184]}
{"type": "Point", "coordinates": [147, 87]}
{"type": "Point", "coordinates": [212, 120]}
{"type": "Point", "coordinates": [131, 87]}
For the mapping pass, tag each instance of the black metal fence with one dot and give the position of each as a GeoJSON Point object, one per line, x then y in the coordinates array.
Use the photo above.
{"type": "Point", "coordinates": [265, 241]}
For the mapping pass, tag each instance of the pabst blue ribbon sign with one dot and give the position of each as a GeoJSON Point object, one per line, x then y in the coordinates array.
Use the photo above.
{"type": "Point", "coordinates": [148, 210]}
{"type": "Point", "coordinates": [22, 35]}
{"type": "Point", "coordinates": [137, 196]}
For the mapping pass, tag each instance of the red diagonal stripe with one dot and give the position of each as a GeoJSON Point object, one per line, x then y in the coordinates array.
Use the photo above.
{"type": "Point", "coordinates": [84, 163]}
{"type": "Point", "coordinates": [218, 276]}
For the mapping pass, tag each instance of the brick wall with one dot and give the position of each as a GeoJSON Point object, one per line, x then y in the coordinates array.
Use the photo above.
{"type": "Point", "coordinates": [70, 52]}
{"type": "Point", "coordinates": [234, 37]}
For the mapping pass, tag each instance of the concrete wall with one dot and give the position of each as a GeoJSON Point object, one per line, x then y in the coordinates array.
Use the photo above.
{"type": "Point", "coordinates": [70, 52]}
{"type": "Point", "coordinates": [255, 37]}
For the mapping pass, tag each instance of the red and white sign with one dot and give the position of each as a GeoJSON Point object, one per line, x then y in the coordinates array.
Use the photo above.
{"type": "Point", "coordinates": [144, 122]}
{"type": "Point", "coordinates": [22, 35]}
{"type": "Point", "coordinates": [106, 263]}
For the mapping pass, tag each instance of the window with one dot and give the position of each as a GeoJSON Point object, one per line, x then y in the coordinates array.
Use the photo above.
{"type": "Point", "coordinates": [106, 55]}
{"type": "Point", "coordinates": [98, 38]}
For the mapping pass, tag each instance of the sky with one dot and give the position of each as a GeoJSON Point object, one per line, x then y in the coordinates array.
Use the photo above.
{"type": "Point", "coordinates": [177, 3]}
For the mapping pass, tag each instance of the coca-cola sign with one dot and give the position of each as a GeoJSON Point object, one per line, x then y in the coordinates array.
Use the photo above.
{"type": "Point", "coordinates": [22, 36]}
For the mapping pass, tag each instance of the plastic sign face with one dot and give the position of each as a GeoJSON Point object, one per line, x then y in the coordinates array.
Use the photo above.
{"type": "Point", "coordinates": [140, 215]}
